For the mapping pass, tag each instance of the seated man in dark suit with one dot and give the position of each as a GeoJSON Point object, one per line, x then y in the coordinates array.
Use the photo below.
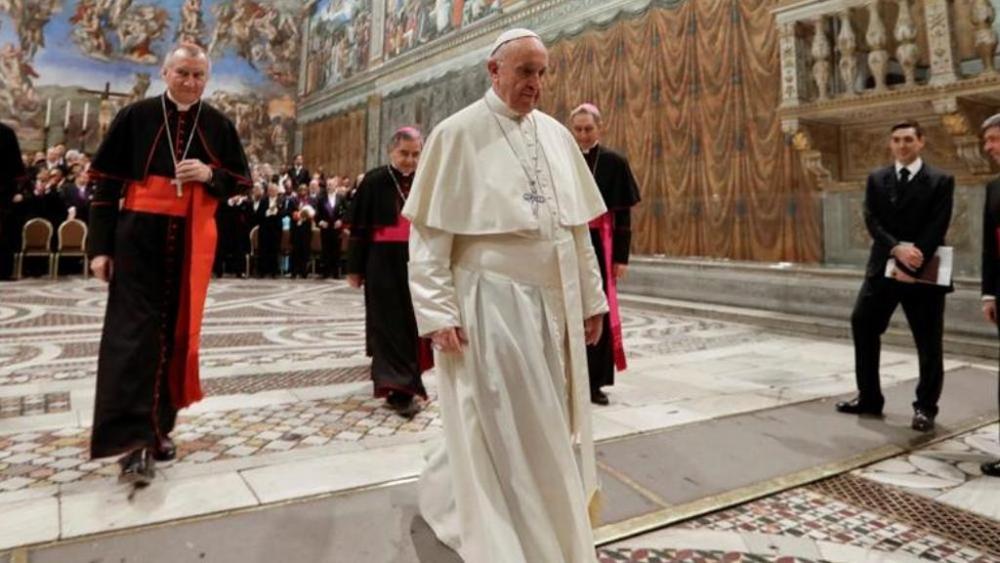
{"type": "Point", "coordinates": [907, 211]}
{"type": "Point", "coordinates": [991, 246]}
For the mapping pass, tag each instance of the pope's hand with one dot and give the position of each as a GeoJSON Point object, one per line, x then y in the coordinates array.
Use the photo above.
{"type": "Point", "coordinates": [103, 267]}
{"type": "Point", "coordinates": [193, 170]}
{"type": "Point", "coordinates": [449, 340]}
{"type": "Point", "coordinates": [355, 280]}
{"type": "Point", "coordinates": [592, 329]}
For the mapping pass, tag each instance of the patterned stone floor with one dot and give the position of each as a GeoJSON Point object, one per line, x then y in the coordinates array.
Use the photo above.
{"type": "Point", "coordinates": [288, 414]}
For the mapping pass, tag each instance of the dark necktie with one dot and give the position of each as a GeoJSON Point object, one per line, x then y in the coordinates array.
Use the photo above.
{"type": "Point", "coordinates": [904, 177]}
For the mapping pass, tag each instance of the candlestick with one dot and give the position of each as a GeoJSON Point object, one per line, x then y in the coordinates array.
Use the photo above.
{"type": "Point", "coordinates": [86, 110]}
{"type": "Point", "coordinates": [66, 120]}
{"type": "Point", "coordinates": [48, 112]}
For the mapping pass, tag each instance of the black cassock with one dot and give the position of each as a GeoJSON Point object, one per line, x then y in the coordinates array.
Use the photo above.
{"type": "Point", "coordinates": [134, 407]}
{"type": "Point", "coordinates": [12, 174]}
{"type": "Point", "coordinates": [379, 253]}
{"type": "Point", "coordinates": [620, 192]}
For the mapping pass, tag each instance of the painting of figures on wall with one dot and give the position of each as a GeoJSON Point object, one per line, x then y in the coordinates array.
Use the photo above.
{"type": "Point", "coordinates": [411, 23]}
{"type": "Point", "coordinates": [67, 66]}
{"type": "Point", "coordinates": [340, 33]}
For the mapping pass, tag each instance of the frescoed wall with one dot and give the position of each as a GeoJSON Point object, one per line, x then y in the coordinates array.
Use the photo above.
{"type": "Point", "coordinates": [411, 23]}
{"type": "Point", "coordinates": [340, 36]}
{"type": "Point", "coordinates": [67, 66]}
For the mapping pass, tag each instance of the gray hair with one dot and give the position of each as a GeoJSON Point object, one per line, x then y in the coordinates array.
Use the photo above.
{"type": "Point", "coordinates": [991, 121]}
{"type": "Point", "coordinates": [186, 49]}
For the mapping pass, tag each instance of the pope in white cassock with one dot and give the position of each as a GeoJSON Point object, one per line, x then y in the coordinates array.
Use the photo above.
{"type": "Point", "coordinates": [504, 279]}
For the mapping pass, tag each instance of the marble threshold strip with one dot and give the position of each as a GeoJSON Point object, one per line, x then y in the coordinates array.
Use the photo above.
{"type": "Point", "coordinates": [674, 514]}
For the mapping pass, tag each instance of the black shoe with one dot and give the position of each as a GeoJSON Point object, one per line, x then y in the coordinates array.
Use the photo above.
{"type": "Point", "coordinates": [854, 406]}
{"type": "Point", "coordinates": [165, 450]}
{"type": "Point", "coordinates": [922, 422]}
{"type": "Point", "coordinates": [599, 397]}
{"type": "Point", "coordinates": [404, 405]}
{"type": "Point", "coordinates": [138, 467]}
{"type": "Point", "coordinates": [991, 469]}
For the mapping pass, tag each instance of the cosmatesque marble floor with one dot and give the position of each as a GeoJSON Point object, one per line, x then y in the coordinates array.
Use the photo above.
{"type": "Point", "coordinates": [289, 416]}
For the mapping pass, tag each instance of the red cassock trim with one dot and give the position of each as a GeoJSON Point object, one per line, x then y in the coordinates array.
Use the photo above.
{"type": "Point", "coordinates": [400, 232]}
{"type": "Point", "coordinates": [159, 196]}
{"type": "Point", "coordinates": [606, 225]}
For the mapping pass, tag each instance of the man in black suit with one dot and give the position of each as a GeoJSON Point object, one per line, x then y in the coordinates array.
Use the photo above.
{"type": "Point", "coordinates": [991, 244]}
{"type": "Point", "coordinates": [298, 173]}
{"type": "Point", "coordinates": [907, 210]}
{"type": "Point", "coordinates": [330, 218]}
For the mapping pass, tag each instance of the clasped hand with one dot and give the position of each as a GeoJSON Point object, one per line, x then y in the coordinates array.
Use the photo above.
{"type": "Point", "coordinates": [193, 170]}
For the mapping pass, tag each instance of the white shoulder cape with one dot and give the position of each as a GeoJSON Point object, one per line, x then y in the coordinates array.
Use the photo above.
{"type": "Point", "coordinates": [469, 182]}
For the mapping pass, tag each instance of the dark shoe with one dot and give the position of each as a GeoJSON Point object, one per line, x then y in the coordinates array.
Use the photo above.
{"type": "Point", "coordinates": [165, 450]}
{"type": "Point", "coordinates": [138, 467]}
{"type": "Point", "coordinates": [404, 405]}
{"type": "Point", "coordinates": [854, 406]}
{"type": "Point", "coordinates": [991, 469]}
{"type": "Point", "coordinates": [599, 397]}
{"type": "Point", "coordinates": [922, 422]}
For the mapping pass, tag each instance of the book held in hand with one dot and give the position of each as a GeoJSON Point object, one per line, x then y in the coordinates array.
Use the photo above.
{"type": "Point", "coordinates": [937, 272]}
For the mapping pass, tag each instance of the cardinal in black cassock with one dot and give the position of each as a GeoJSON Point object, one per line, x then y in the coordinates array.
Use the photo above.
{"type": "Point", "coordinates": [172, 158]}
{"type": "Point", "coordinates": [611, 234]}
{"type": "Point", "coordinates": [377, 256]}
{"type": "Point", "coordinates": [12, 174]}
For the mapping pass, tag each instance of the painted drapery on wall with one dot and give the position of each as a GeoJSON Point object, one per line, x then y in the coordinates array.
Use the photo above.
{"type": "Point", "coordinates": [690, 94]}
{"type": "Point", "coordinates": [60, 58]}
{"type": "Point", "coordinates": [336, 145]}
{"type": "Point", "coordinates": [412, 23]}
{"type": "Point", "coordinates": [340, 37]}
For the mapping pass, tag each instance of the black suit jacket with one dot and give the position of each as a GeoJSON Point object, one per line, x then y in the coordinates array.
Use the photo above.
{"type": "Point", "coordinates": [991, 245]}
{"type": "Point", "coordinates": [919, 213]}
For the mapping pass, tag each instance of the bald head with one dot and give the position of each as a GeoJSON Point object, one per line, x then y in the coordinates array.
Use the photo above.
{"type": "Point", "coordinates": [516, 69]}
{"type": "Point", "coordinates": [185, 70]}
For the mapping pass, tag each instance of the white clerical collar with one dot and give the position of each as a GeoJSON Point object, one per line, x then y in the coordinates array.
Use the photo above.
{"type": "Point", "coordinates": [913, 167]}
{"type": "Point", "coordinates": [592, 147]}
{"type": "Point", "coordinates": [180, 106]}
{"type": "Point", "coordinates": [499, 106]}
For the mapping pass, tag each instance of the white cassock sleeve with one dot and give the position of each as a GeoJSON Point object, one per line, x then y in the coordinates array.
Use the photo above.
{"type": "Point", "coordinates": [591, 286]}
{"type": "Point", "coordinates": [431, 285]}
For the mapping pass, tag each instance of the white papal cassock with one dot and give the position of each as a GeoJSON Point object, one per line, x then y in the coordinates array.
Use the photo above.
{"type": "Point", "coordinates": [509, 261]}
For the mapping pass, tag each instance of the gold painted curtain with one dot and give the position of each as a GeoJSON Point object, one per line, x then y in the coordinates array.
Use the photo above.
{"type": "Point", "coordinates": [690, 95]}
{"type": "Point", "coordinates": [336, 145]}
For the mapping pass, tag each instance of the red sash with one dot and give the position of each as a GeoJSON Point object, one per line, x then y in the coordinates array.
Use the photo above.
{"type": "Point", "coordinates": [159, 195]}
{"type": "Point", "coordinates": [606, 225]}
{"type": "Point", "coordinates": [400, 232]}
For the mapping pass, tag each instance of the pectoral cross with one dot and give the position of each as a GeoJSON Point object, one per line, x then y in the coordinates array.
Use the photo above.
{"type": "Point", "coordinates": [534, 198]}
{"type": "Point", "coordinates": [180, 186]}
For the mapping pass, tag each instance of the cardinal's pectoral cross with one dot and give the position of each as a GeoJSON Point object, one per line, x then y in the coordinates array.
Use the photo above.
{"type": "Point", "coordinates": [534, 198]}
{"type": "Point", "coordinates": [180, 187]}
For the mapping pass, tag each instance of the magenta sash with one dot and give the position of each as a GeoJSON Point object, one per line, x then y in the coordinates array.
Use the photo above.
{"type": "Point", "coordinates": [605, 224]}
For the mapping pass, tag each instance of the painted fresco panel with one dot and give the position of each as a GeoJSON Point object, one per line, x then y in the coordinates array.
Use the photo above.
{"type": "Point", "coordinates": [339, 42]}
{"type": "Point", "coordinates": [412, 23]}
{"type": "Point", "coordinates": [66, 67]}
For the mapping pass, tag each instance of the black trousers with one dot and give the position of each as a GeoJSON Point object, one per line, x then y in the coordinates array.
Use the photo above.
{"type": "Point", "coordinates": [924, 309]}
{"type": "Point", "coordinates": [331, 252]}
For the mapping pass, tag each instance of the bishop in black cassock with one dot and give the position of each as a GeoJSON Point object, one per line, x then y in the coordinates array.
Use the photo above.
{"type": "Point", "coordinates": [377, 258]}
{"type": "Point", "coordinates": [611, 235]}
{"type": "Point", "coordinates": [172, 158]}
